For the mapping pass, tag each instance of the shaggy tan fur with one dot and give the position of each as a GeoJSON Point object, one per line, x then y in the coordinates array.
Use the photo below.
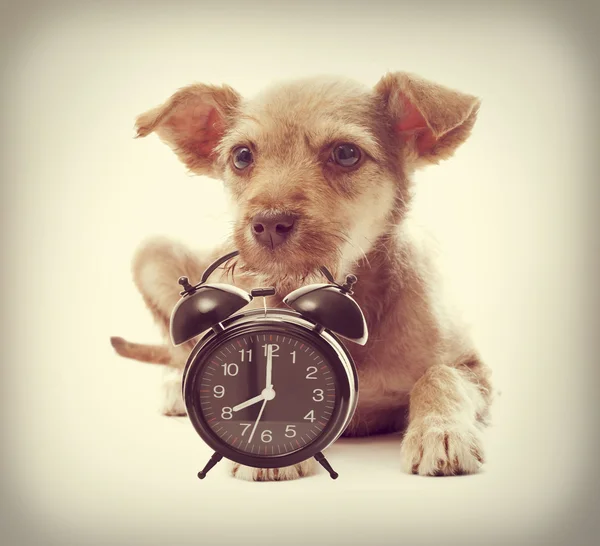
{"type": "Point", "coordinates": [419, 366]}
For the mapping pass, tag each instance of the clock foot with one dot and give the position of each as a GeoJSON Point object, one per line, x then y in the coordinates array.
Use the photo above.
{"type": "Point", "coordinates": [325, 464]}
{"type": "Point", "coordinates": [212, 462]}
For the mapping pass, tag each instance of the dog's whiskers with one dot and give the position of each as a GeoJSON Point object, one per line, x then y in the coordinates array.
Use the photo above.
{"type": "Point", "coordinates": [341, 235]}
{"type": "Point", "coordinates": [365, 257]}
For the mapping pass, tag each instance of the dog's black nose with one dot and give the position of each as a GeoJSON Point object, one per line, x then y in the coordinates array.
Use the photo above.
{"type": "Point", "coordinates": [271, 230]}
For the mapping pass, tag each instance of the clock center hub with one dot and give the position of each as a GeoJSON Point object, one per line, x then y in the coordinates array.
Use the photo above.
{"type": "Point", "coordinates": [268, 393]}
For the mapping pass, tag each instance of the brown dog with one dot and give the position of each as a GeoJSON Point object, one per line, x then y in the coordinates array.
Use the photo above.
{"type": "Point", "coordinates": [321, 172]}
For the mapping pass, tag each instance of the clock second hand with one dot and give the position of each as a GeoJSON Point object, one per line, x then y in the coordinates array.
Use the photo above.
{"type": "Point", "coordinates": [257, 419]}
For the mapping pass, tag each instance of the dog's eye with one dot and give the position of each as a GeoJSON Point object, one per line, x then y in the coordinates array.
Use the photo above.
{"type": "Point", "coordinates": [242, 157]}
{"type": "Point", "coordinates": [346, 155]}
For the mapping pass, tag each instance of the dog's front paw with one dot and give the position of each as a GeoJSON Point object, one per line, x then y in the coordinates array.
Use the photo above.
{"type": "Point", "coordinates": [435, 447]}
{"type": "Point", "coordinates": [305, 468]}
{"type": "Point", "coordinates": [172, 402]}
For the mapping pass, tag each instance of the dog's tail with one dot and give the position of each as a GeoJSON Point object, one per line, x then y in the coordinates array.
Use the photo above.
{"type": "Point", "coordinates": [153, 354]}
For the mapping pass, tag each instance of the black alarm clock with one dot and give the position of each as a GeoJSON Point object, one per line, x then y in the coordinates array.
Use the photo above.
{"type": "Point", "coordinates": [268, 387]}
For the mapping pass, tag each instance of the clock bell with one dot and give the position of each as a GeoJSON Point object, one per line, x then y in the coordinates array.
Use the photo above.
{"type": "Point", "coordinates": [203, 306]}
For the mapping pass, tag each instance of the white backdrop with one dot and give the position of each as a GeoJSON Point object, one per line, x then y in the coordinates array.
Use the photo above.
{"type": "Point", "coordinates": [87, 459]}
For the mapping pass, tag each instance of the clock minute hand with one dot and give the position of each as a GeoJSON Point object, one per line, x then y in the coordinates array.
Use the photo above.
{"type": "Point", "coordinates": [269, 366]}
{"type": "Point", "coordinates": [248, 402]}
{"type": "Point", "coordinates": [257, 420]}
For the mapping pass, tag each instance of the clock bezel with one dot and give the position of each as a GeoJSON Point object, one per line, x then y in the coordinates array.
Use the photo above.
{"type": "Point", "coordinates": [284, 321]}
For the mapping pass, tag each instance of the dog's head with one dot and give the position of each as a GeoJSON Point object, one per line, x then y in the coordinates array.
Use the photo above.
{"type": "Point", "coordinates": [319, 168]}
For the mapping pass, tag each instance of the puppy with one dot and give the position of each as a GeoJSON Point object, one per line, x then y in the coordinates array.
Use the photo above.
{"type": "Point", "coordinates": [321, 172]}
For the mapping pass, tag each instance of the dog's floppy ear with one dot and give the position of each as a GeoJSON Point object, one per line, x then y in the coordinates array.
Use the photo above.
{"type": "Point", "coordinates": [430, 120]}
{"type": "Point", "coordinates": [192, 122]}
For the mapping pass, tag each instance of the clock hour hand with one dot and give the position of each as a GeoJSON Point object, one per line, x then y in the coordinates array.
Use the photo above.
{"type": "Point", "coordinates": [247, 403]}
{"type": "Point", "coordinates": [266, 394]}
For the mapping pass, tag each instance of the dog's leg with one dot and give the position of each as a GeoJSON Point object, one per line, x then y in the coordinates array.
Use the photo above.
{"type": "Point", "coordinates": [444, 432]}
{"type": "Point", "coordinates": [172, 401]}
{"type": "Point", "coordinates": [157, 265]}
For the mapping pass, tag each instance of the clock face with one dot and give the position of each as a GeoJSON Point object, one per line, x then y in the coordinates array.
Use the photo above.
{"type": "Point", "coordinates": [265, 394]}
